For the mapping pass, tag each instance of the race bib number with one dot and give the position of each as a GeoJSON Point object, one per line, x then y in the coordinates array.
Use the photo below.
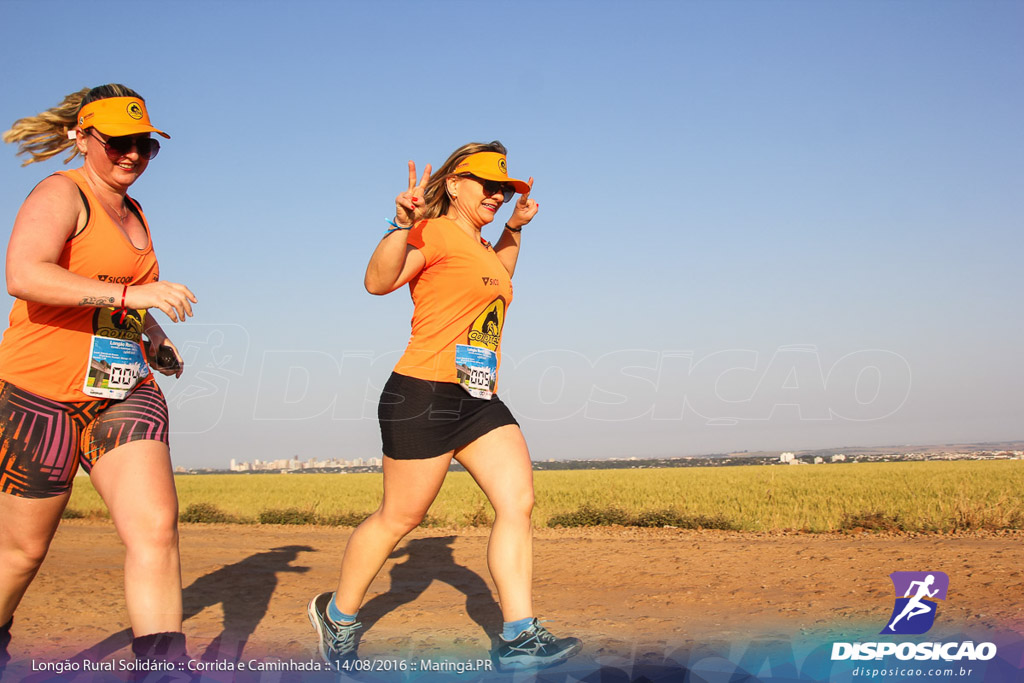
{"type": "Point", "coordinates": [476, 369]}
{"type": "Point", "coordinates": [116, 366]}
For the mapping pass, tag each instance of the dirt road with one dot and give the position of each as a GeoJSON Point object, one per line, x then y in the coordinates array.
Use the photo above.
{"type": "Point", "coordinates": [666, 604]}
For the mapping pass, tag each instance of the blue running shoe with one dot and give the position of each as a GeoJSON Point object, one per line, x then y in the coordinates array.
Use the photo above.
{"type": "Point", "coordinates": [337, 641]}
{"type": "Point", "coordinates": [535, 648]}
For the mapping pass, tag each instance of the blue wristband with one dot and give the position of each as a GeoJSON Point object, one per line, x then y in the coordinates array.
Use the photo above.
{"type": "Point", "coordinates": [395, 226]}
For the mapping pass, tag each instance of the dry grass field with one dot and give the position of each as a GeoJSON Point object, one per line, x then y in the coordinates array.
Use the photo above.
{"type": "Point", "coordinates": [910, 497]}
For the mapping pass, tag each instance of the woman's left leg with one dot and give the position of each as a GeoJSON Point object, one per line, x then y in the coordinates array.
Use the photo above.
{"type": "Point", "coordinates": [136, 482]}
{"type": "Point", "coordinates": [499, 462]}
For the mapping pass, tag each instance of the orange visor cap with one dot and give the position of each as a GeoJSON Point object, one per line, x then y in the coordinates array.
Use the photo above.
{"type": "Point", "coordinates": [490, 166]}
{"type": "Point", "coordinates": [115, 116]}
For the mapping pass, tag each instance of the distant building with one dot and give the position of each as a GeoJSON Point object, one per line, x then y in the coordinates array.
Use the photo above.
{"type": "Point", "coordinates": [818, 460]}
{"type": "Point", "coordinates": [838, 457]}
{"type": "Point", "coordinates": [786, 457]}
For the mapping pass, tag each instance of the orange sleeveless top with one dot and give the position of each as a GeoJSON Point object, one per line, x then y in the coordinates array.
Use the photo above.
{"type": "Point", "coordinates": [460, 298]}
{"type": "Point", "coordinates": [45, 349]}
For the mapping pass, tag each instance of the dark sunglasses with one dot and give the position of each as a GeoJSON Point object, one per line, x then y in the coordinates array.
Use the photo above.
{"type": "Point", "coordinates": [492, 187]}
{"type": "Point", "coordinates": [117, 147]}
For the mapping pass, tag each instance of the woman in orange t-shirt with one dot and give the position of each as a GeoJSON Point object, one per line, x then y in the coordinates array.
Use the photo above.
{"type": "Point", "coordinates": [440, 402]}
{"type": "Point", "coordinates": [75, 381]}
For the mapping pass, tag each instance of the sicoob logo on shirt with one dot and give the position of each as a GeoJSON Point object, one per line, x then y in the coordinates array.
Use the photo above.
{"type": "Point", "coordinates": [486, 329]}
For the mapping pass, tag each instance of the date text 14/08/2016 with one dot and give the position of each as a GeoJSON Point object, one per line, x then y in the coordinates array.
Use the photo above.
{"type": "Point", "coordinates": [411, 665]}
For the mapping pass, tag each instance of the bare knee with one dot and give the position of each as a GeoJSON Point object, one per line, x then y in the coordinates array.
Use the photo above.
{"type": "Point", "coordinates": [26, 556]}
{"type": "Point", "coordinates": [155, 539]}
{"type": "Point", "coordinates": [400, 522]}
{"type": "Point", "coordinates": [516, 507]}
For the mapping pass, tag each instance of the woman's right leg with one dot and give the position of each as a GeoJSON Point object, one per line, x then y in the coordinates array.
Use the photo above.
{"type": "Point", "coordinates": [27, 526]}
{"type": "Point", "coordinates": [410, 486]}
{"type": "Point", "coordinates": [38, 458]}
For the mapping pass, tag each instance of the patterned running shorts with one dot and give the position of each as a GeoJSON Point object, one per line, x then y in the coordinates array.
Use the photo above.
{"type": "Point", "coordinates": [42, 441]}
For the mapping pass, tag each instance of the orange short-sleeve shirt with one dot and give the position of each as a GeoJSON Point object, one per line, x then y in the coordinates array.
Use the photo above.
{"type": "Point", "coordinates": [460, 297]}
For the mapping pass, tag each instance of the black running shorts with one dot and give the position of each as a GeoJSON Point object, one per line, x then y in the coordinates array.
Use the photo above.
{"type": "Point", "coordinates": [421, 419]}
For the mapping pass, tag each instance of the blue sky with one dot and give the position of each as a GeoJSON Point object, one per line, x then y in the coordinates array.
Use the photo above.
{"type": "Point", "coordinates": [763, 225]}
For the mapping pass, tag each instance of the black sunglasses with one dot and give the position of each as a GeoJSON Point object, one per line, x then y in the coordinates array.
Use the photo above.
{"type": "Point", "coordinates": [118, 146]}
{"type": "Point", "coordinates": [493, 187]}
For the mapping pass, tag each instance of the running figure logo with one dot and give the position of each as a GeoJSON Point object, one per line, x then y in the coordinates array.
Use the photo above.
{"type": "Point", "coordinates": [914, 612]}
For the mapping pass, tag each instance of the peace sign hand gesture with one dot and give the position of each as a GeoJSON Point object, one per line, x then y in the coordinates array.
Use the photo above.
{"type": "Point", "coordinates": [409, 204]}
{"type": "Point", "coordinates": [525, 209]}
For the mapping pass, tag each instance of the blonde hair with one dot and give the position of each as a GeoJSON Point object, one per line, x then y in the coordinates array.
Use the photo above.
{"type": "Point", "coordinates": [435, 194]}
{"type": "Point", "coordinates": [46, 134]}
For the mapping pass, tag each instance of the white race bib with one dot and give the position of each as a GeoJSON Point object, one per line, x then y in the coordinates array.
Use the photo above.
{"type": "Point", "coordinates": [476, 370]}
{"type": "Point", "coordinates": [116, 366]}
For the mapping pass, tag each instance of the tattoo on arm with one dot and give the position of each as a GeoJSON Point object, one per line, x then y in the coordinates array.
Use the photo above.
{"type": "Point", "coordinates": [97, 301]}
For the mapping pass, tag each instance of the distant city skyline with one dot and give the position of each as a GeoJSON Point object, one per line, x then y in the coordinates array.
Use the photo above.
{"type": "Point", "coordinates": [1010, 449]}
{"type": "Point", "coordinates": [296, 463]}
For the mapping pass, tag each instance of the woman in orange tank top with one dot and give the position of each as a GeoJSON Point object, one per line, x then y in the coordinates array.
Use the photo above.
{"type": "Point", "coordinates": [75, 381]}
{"type": "Point", "coordinates": [441, 403]}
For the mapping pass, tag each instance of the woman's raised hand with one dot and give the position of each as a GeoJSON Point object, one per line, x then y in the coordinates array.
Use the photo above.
{"type": "Point", "coordinates": [525, 209]}
{"type": "Point", "coordinates": [409, 204]}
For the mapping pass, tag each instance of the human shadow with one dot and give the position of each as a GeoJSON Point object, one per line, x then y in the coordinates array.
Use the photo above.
{"type": "Point", "coordinates": [243, 590]}
{"type": "Point", "coordinates": [431, 559]}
